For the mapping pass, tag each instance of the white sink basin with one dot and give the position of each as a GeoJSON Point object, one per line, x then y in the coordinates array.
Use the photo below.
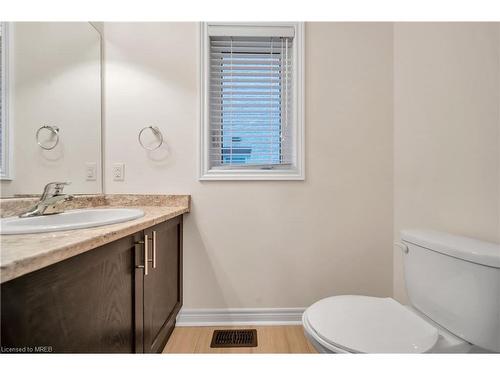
{"type": "Point", "coordinates": [74, 219]}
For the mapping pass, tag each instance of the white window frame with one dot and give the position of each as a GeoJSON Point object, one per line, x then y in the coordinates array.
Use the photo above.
{"type": "Point", "coordinates": [6, 169]}
{"type": "Point", "coordinates": [297, 170]}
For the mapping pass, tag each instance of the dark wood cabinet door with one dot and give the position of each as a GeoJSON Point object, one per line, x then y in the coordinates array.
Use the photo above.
{"type": "Point", "coordinates": [163, 284]}
{"type": "Point", "coordinates": [84, 304]}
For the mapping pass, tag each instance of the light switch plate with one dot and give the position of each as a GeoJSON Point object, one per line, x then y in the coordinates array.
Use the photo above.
{"type": "Point", "coordinates": [90, 171]}
{"type": "Point", "coordinates": [118, 172]}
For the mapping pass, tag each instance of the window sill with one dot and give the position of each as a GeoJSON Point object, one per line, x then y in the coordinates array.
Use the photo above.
{"type": "Point", "coordinates": [252, 174]}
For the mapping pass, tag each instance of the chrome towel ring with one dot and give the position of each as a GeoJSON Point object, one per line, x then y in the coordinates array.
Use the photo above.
{"type": "Point", "coordinates": [54, 130]}
{"type": "Point", "coordinates": [156, 132]}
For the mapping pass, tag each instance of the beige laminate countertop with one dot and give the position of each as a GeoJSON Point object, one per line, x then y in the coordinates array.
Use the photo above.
{"type": "Point", "coordinates": [24, 253]}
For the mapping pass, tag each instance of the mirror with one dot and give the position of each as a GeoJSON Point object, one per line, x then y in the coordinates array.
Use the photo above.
{"type": "Point", "coordinates": [51, 107]}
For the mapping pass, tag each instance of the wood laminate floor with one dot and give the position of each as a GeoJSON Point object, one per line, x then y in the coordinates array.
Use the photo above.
{"type": "Point", "coordinates": [270, 339]}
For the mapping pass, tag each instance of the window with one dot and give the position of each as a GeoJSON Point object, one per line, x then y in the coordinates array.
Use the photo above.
{"type": "Point", "coordinates": [4, 125]}
{"type": "Point", "coordinates": [252, 126]}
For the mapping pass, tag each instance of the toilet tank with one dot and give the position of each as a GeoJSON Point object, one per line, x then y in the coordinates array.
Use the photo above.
{"type": "Point", "coordinates": [455, 281]}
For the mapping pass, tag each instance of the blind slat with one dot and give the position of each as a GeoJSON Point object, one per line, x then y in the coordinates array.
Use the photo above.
{"type": "Point", "coordinates": [252, 66]}
{"type": "Point", "coordinates": [245, 100]}
{"type": "Point", "coordinates": [242, 93]}
{"type": "Point", "coordinates": [247, 58]}
{"type": "Point", "coordinates": [254, 81]}
{"type": "Point", "coordinates": [243, 88]}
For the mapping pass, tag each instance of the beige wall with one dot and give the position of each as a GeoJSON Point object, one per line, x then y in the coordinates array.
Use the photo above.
{"type": "Point", "coordinates": [446, 131]}
{"type": "Point", "coordinates": [54, 79]}
{"type": "Point", "coordinates": [265, 244]}
{"type": "Point", "coordinates": [287, 244]}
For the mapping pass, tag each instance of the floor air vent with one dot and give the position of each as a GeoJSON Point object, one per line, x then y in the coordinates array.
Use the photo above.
{"type": "Point", "coordinates": [234, 338]}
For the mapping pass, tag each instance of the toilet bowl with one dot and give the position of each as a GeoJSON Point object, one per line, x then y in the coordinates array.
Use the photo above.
{"type": "Point", "coordinates": [453, 284]}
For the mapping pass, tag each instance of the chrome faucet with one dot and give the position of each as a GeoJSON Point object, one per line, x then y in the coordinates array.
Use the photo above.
{"type": "Point", "coordinates": [52, 194]}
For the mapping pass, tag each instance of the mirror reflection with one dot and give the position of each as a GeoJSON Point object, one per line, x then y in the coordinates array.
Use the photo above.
{"type": "Point", "coordinates": [51, 107]}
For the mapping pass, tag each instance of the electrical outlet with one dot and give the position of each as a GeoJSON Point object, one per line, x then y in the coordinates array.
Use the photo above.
{"type": "Point", "coordinates": [118, 172]}
{"type": "Point", "coordinates": [90, 171]}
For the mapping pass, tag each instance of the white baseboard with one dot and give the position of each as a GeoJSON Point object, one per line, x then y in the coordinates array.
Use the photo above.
{"type": "Point", "coordinates": [236, 317]}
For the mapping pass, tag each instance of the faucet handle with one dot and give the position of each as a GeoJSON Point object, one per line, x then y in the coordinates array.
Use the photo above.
{"type": "Point", "coordinates": [57, 186]}
{"type": "Point", "coordinates": [61, 185]}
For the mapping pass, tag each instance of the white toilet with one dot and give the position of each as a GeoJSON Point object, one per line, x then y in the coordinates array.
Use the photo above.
{"type": "Point", "coordinates": [453, 284]}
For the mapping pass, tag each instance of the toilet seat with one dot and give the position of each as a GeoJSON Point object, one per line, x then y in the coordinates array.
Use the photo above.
{"type": "Point", "coordinates": [361, 324]}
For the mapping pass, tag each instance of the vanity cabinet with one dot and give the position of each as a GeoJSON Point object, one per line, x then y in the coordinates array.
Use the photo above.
{"type": "Point", "coordinates": [160, 290]}
{"type": "Point", "coordinates": [101, 301]}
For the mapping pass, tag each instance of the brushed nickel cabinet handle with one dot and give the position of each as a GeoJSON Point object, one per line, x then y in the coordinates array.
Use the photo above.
{"type": "Point", "coordinates": [145, 246]}
{"type": "Point", "coordinates": [154, 249]}
{"type": "Point", "coordinates": [146, 241]}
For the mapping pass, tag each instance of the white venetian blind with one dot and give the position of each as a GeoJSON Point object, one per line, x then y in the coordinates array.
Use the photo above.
{"type": "Point", "coordinates": [251, 98]}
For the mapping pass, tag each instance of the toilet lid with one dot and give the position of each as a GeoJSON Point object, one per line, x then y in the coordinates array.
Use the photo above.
{"type": "Point", "coordinates": [370, 325]}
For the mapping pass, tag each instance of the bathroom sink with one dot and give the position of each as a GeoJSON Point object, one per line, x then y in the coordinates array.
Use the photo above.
{"type": "Point", "coordinates": [74, 219]}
